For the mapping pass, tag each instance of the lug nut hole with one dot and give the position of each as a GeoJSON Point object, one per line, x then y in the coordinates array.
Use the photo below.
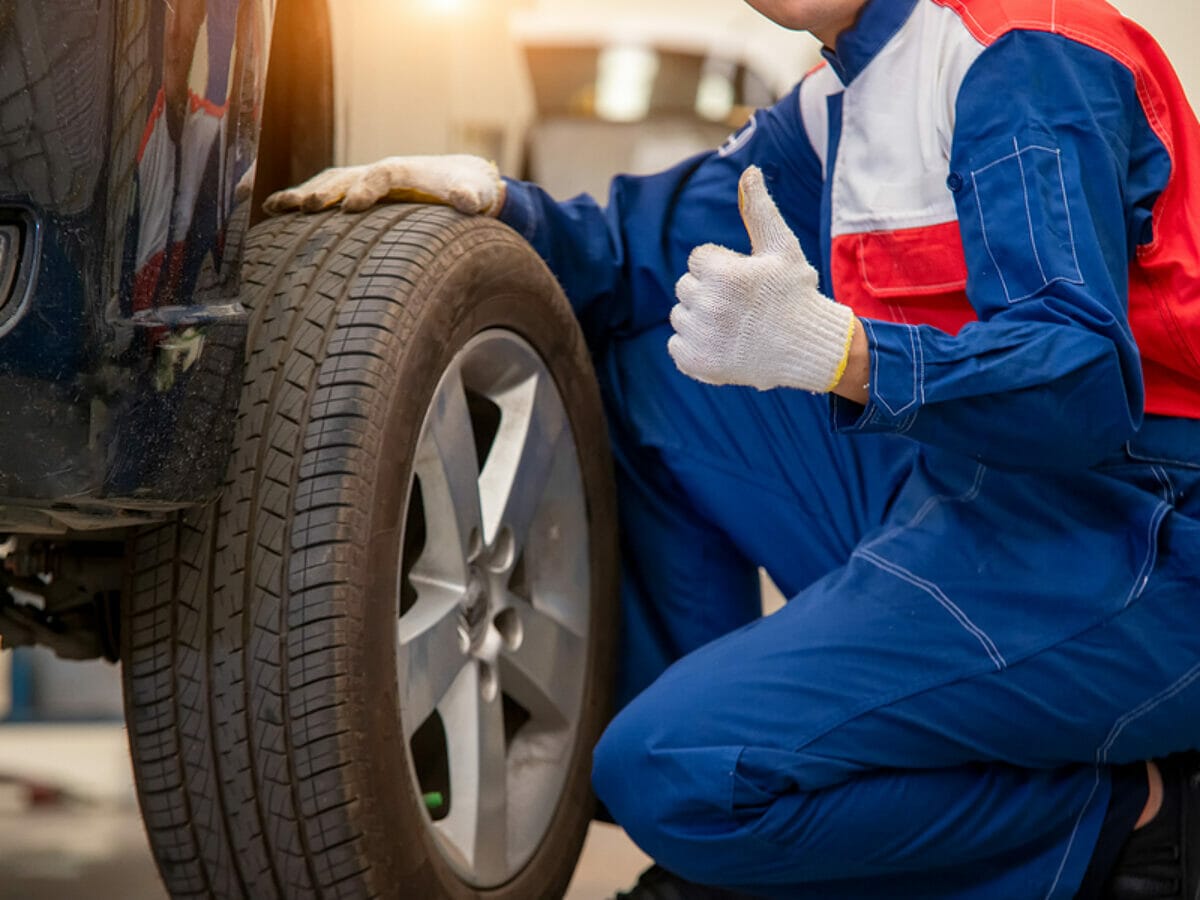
{"type": "Point", "coordinates": [508, 623]}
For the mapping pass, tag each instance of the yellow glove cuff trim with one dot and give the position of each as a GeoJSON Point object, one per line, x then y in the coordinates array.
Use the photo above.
{"type": "Point", "coordinates": [411, 195]}
{"type": "Point", "coordinates": [841, 368]}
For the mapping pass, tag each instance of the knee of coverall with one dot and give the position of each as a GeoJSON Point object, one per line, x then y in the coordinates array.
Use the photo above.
{"type": "Point", "coordinates": [674, 800]}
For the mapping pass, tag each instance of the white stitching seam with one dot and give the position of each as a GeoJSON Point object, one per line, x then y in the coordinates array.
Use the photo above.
{"type": "Point", "coordinates": [1062, 278]}
{"type": "Point", "coordinates": [1020, 150]}
{"type": "Point", "coordinates": [928, 506]}
{"type": "Point", "coordinates": [1029, 214]}
{"type": "Point", "coordinates": [1160, 475]}
{"type": "Point", "coordinates": [875, 369]}
{"type": "Point", "coordinates": [986, 242]}
{"type": "Point", "coordinates": [1062, 183]}
{"type": "Point", "coordinates": [1179, 685]}
{"type": "Point", "coordinates": [937, 594]}
{"type": "Point", "coordinates": [1137, 712]}
{"type": "Point", "coordinates": [1143, 575]}
{"type": "Point", "coordinates": [921, 379]}
{"type": "Point", "coordinates": [1071, 840]}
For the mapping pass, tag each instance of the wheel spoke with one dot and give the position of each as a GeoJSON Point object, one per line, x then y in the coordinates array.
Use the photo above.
{"type": "Point", "coordinates": [449, 471]}
{"type": "Point", "coordinates": [428, 659]}
{"type": "Point", "coordinates": [518, 469]}
{"type": "Point", "coordinates": [544, 673]}
{"type": "Point", "coordinates": [477, 825]}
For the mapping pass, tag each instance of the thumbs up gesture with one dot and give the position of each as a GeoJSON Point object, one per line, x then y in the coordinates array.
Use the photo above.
{"type": "Point", "coordinates": [759, 320]}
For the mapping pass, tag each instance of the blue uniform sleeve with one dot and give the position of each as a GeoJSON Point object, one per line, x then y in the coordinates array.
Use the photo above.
{"type": "Point", "coordinates": [618, 264]}
{"type": "Point", "coordinates": [1054, 168]}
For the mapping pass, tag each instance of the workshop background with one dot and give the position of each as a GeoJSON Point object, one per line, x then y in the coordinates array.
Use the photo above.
{"type": "Point", "coordinates": [565, 91]}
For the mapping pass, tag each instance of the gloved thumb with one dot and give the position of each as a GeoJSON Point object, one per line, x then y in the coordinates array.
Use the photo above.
{"type": "Point", "coordinates": [769, 233]}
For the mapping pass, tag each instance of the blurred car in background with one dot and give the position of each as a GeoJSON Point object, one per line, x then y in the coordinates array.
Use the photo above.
{"type": "Point", "coordinates": [634, 95]}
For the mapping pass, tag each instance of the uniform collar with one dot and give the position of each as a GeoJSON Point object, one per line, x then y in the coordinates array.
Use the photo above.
{"type": "Point", "coordinates": [857, 46]}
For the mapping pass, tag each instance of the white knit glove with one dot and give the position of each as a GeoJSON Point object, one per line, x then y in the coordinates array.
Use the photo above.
{"type": "Point", "coordinates": [468, 183]}
{"type": "Point", "coordinates": [759, 319]}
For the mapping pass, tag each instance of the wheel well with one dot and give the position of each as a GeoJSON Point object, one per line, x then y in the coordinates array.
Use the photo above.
{"type": "Point", "coordinates": [297, 123]}
{"type": "Point", "coordinates": [63, 592]}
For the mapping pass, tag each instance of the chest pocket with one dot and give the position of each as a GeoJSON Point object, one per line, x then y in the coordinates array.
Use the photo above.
{"type": "Point", "coordinates": [913, 275]}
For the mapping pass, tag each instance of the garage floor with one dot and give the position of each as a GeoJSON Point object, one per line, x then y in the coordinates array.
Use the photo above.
{"type": "Point", "coordinates": [93, 846]}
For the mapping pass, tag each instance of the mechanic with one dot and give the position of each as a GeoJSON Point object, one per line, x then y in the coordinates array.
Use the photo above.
{"type": "Point", "coordinates": [965, 444]}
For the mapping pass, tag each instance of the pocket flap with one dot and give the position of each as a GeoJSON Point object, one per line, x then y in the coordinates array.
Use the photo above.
{"type": "Point", "coordinates": [914, 261]}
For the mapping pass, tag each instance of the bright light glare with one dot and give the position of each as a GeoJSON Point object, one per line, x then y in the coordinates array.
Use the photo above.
{"type": "Point", "coordinates": [714, 97]}
{"type": "Point", "coordinates": [444, 7]}
{"type": "Point", "coordinates": [624, 82]}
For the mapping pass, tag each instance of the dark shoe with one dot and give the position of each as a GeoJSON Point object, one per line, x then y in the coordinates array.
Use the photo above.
{"type": "Point", "coordinates": [656, 883]}
{"type": "Point", "coordinates": [1161, 860]}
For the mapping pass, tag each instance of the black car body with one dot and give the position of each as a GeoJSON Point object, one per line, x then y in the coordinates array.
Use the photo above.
{"type": "Point", "coordinates": [129, 145]}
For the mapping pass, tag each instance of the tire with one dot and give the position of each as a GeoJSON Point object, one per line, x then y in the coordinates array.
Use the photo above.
{"type": "Point", "coordinates": [262, 636]}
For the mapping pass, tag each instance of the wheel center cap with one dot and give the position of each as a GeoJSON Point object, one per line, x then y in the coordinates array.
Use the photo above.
{"type": "Point", "coordinates": [473, 613]}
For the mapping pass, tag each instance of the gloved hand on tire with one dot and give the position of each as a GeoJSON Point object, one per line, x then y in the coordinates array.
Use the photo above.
{"type": "Point", "coordinates": [470, 184]}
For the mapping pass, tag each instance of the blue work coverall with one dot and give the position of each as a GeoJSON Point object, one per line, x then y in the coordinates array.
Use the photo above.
{"type": "Point", "coordinates": [994, 567]}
